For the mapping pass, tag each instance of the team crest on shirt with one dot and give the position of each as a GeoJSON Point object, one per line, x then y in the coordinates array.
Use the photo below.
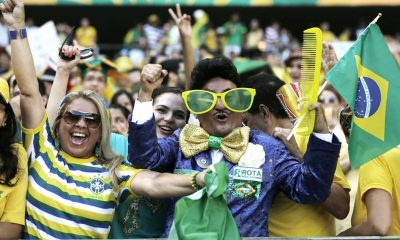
{"type": "Point", "coordinates": [97, 185]}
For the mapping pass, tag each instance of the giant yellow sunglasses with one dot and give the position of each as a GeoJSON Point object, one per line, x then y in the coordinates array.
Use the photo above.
{"type": "Point", "coordinates": [202, 101]}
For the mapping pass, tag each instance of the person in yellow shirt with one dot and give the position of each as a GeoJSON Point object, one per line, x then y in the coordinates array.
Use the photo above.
{"type": "Point", "coordinates": [377, 204]}
{"type": "Point", "coordinates": [94, 76]}
{"type": "Point", "coordinates": [86, 35]}
{"type": "Point", "coordinates": [288, 218]}
{"type": "Point", "coordinates": [13, 171]}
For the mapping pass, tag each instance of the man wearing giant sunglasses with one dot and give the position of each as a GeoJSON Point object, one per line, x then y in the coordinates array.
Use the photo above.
{"type": "Point", "coordinates": [259, 165]}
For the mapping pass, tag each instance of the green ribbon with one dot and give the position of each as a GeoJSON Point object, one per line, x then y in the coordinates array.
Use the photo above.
{"type": "Point", "coordinates": [214, 142]}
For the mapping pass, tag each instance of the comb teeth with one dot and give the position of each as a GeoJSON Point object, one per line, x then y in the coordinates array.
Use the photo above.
{"type": "Point", "coordinates": [308, 64]}
{"type": "Point", "coordinates": [310, 74]}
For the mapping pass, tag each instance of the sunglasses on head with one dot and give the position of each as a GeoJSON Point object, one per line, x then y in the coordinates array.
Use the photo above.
{"type": "Point", "coordinates": [327, 100]}
{"type": "Point", "coordinates": [346, 118]}
{"type": "Point", "coordinates": [72, 117]}
{"type": "Point", "coordinates": [202, 101]}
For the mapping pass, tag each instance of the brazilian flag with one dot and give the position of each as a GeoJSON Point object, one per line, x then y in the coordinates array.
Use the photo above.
{"type": "Point", "coordinates": [368, 78]}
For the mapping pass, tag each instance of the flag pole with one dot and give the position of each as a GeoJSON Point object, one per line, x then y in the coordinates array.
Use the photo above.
{"type": "Point", "coordinates": [377, 18]}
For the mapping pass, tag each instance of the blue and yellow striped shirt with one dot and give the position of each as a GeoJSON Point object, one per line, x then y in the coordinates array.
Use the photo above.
{"type": "Point", "coordinates": [69, 197]}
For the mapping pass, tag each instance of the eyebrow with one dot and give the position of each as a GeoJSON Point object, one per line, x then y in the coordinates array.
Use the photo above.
{"type": "Point", "coordinates": [165, 106]}
{"type": "Point", "coordinates": [227, 89]}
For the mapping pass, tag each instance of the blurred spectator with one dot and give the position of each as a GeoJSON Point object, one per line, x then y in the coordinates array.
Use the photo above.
{"type": "Point", "coordinates": [86, 35]}
{"type": "Point", "coordinates": [135, 37]}
{"type": "Point", "coordinates": [175, 76]}
{"type": "Point", "coordinates": [94, 76]}
{"type": "Point", "coordinates": [293, 65]}
{"type": "Point", "coordinates": [327, 34]}
{"type": "Point", "coordinates": [3, 33]}
{"type": "Point", "coordinates": [345, 35]}
{"type": "Point", "coordinates": [121, 76]}
{"type": "Point", "coordinates": [48, 78]}
{"type": "Point", "coordinates": [253, 38]}
{"type": "Point", "coordinates": [272, 37]}
{"type": "Point", "coordinates": [119, 119]}
{"type": "Point", "coordinates": [134, 81]}
{"type": "Point", "coordinates": [234, 31]}
{"type": "Point", "coordinates": [123, 98]}
{"type": "Point", "coordinates": [211, 38]}
{"type": "Point", "coordinates": [62, 30]}
{"type": "Point", "coordinates": [173, 47]}
{"type": "Point", "coordinates": [135, 43]}
{"type": "Point", "coordinates": [199, 28]}
{"type": "Point", "coordinates": [5, 62]}
{"type": "Point", "coordinates": [153, 33]}
{"type": "Point", "coordinates": [204, 52]}
{"type": "Point", "coordinates": [15, 98]}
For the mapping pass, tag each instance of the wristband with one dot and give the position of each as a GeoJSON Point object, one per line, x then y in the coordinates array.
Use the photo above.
{"type": "Point", "coordinates": [17, 34]}
{"type": "Point", "coordinates": [193, 181]}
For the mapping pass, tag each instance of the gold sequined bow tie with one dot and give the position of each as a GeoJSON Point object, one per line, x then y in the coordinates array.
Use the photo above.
{"type": "Point", "coordinates": [194, 139]}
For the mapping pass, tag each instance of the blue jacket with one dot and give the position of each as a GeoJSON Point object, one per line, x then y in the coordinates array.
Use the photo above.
{"type": "Point", "coordinates": [307, 182]}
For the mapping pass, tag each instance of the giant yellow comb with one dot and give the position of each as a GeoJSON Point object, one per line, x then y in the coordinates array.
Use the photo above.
{"type": "Point", "coordinates": [310, 76]}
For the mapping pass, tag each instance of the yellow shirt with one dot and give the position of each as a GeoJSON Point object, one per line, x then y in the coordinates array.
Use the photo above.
{"type": "Point", "coordinates": [86, 37]}
{"type": "Point", "coordinates": [13, 199]}
{"type": "Point", "coordinates": [383, 173]}
{"type": "Point", "coordinates": [290, 219]}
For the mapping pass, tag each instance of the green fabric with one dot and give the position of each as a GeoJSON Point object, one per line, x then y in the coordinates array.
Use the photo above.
{"type": "Point", "coordinates": [214, 142]}
{"type": "Point", "coordinates": [205, 213]}
{"type": "Point", "coordinates": [244, 65]}
{"type": "Point", "coordinates": [235, 33]}
{"type": "Point", "coordinates": [368, 78]}
{"type": "Point", "coordinates": [139, 218]}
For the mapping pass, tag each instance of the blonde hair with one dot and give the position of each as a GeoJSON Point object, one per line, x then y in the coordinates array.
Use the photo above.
{"type": "Point", "coordinates": [103, 151]}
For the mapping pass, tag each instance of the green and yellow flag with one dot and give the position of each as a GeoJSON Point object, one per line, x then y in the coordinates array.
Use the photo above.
{"type": "Point", "coordinates": [368, 78]}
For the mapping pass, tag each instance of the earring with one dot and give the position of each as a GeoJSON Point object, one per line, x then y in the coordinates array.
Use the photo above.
{"type": "Point", "coordinates": [4, 124]}
{"type": "Point", "coordinates": [97, 151]}
{"type": "Point", "coordinates": [57, 143]}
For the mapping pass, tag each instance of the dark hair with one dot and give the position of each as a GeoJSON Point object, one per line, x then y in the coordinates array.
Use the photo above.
{"type": "Point", "coordinates": [8, 153]}
{"type": "Point", "coordinates": [266, 86]}
{"type": "Point", "coordinates": [210, 68]}
{"type": "Point", "coordinates": [114, 99]}
{"type": "Point", "coordinates": [164, 89]}
{"type": "Point", "coordinates": [123, 109]}
{"type": "Point", "coordinates": [172, 66]}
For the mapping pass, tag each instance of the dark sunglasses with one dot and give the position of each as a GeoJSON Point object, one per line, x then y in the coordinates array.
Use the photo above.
{"type": "Point", "coordinates": [72, 117]}
{"type": "Point", "coordinates": [85, 53]}
{"type": "Point", "coordinates": [327, 100]}
{"type": "Point", "coordinates": [346, 118]}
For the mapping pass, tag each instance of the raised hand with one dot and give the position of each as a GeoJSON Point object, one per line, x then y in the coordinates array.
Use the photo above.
{"type": "Point", "coordinates": [69, 51]}
{"type": "Point", "coordinates": [321, 125]}
{"type": "Point", "coordinates": [151, 78]}
{"type": "Point", "coordinates": [183, 22]}
{"type": "Point", "coordinates": [13, 13]}
{"type": "Point", "coordinates": [329, 58]}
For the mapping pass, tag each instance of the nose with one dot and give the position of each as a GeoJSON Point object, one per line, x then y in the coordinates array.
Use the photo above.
{"type": "Point", "coordinates": [81, 123]}
{"type": "Point", "coordinates": [168, 117]}
{"type": "Point", "coordinates": [95, 83]}
{"type": "Point", "coordinates": [219, 105]}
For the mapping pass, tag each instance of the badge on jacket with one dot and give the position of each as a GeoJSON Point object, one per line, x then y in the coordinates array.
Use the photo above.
{"type": "Point", "coordinates": [246, 182]}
